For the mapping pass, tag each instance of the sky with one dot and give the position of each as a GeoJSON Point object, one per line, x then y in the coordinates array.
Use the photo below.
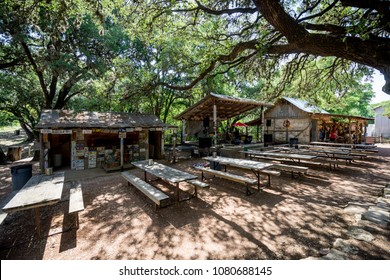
{"type": "Point", "coordinates": [378, 83]}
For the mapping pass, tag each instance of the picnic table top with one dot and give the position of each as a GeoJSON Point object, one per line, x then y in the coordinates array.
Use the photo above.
{"type": "Point", "coordinates": [164, 172]}
{"type": "Point", "coordinates": [320, 147]}
{"type": "Point", "coordinates": [238, 162]}
{"type": "Point", "coordinates": [282, 155]}
{"type": "Point", "coordinates": [40, 190]}
{"type": "Point", "coordinates": [328, 150]}
{"type": "Point", "coordinates": [364, 146]}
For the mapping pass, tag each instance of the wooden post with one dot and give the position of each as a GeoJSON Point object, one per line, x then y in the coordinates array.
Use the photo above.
{"type": "Point", "coordinates": [215, 124]}
{"type": "Point", "coordinates": [364, 131]}
{"type": "Point", "coordinates": [122, 152]}
{"type": "Point", "coordinates": [41, 154]}
{"type": "Point", "coordinates": [350, 131]}
{"type": "Point", "coordinates": [262, 124]}
{"type": "Point", "coordinates": [174, 145]}
{"type": "Point", "coordinates": [182, 131]}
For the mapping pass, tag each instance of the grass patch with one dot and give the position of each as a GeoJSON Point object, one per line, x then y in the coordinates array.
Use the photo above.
{"type": "Point", "coordinates": [9, 128]}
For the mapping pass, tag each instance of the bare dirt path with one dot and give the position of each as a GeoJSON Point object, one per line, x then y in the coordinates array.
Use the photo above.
{"type": "Point", "coordinates": [293, 219]}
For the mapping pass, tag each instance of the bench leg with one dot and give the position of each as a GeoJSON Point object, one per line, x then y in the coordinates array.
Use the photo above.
{"type": "Point", "coordinates": [77, 220]}
{"type": "Point", "coordinates": [38, 222]}
{"type": "Point", "coordinates": [177, 192]}
{"type": "Point", "coordinates": [248, 192]}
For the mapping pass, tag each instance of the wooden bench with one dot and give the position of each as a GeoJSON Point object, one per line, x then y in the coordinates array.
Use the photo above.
{"type": "Point", "coordinates": [157, 196]}
{"type": "Point", "coordinates": [229, 176]}
{"type": "Point", "coordinates": [76, 201]}
{"type": "Point", "coordinates": [348, 159]}
{"type": "Point", "coordinates": [361, 155]}
{"type": "Point", "coordinates": [198, 184]}
{"type": "Point", "coordinates": [331, 162]}
{"type": "Point", "coordinates": [4, 215]}
{"type": "Point", "coordinates": [290, 168]}
{"type": "Point", "coordinates": [269, 173]}
{"type": "Point", "coordinates": [367, 151]}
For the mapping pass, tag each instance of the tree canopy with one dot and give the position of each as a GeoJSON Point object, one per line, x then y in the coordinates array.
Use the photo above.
{"type": "Point", "coordinates": [51, 54]}
{"type": "Point", "coordinates": [294, 32]}
{"type": "Point", "coordinates": [162, 56]}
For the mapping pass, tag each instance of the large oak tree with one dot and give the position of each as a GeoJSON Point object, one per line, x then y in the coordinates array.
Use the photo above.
{"type": "Point", "coordinates": [349, 30]}
{"type": "Point", "coordinates": [61, 47]}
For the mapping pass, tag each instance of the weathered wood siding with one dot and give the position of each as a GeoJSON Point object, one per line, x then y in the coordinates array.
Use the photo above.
{"type": "Point", "coordinates": [382, 123]}
{"type": "Point", "coordinates": [300, 123]}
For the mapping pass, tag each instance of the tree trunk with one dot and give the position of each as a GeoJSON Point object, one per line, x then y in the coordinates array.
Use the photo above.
{"type": "Point", "coordinates": [30, 134]}
{"type": "Point", "coordinates": [14, 153]}
{"type": "Point", "coordinates": [3, 158]}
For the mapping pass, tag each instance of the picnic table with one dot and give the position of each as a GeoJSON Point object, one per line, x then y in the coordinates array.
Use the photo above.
{"type": "Point", "coordinates": [180, 151]}
{"type": "Point", "coordinates": [353, 146]}
{"type": "Point", "coordinates": [165, 173]}
{"type": "Point", "coordinates": [257, 167]}
{"type": "Point", "coordinates": [357, 152]}
{"type": "Point", "coordinates": [278, 155]}
{"type": "Point", "coordinates": [328, 152]}
{"type": "Point", "coordinates": [39, 191]}
{"type": "Point", "coordinates": [335, 151]}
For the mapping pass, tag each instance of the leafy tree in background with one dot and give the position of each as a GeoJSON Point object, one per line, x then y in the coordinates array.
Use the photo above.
{"type": "Point", "coordinates": [345, 90]}
{"type": "Point", "coordinates": [175, 52]}
{"type": "Point", "coordinates": [63, 49]}
{"type": "Point", "coordinates": [386, 106]}
{"type": "Point", "coordinates": [270, 33]}
{"type": "Point", "coordinates": [20, 96]}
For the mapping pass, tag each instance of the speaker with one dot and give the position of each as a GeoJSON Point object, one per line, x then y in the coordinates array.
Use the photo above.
{"type": "Point", "coordinates": [268, 122]}
{"type": "Point", "coordinates": [206, 122]}
{"type": "Point", "coordinates": [205, 142]}
{"type": "Point", "coordinates": [267, 138]}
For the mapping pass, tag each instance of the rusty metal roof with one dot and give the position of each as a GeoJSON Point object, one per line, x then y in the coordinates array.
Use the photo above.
{"type": "Point", "coordinates": [305, 106]}
{"type": "Point", "coordinates": [70, 119]}
{"type": "Point", "coordinates": [311, 110]}
{"type": "Point", "coordinates": [227, 107]}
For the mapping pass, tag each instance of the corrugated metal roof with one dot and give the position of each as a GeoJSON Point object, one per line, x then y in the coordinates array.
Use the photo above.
{"type": "Point", "coordinates": [70, 119]}
{"type": "Point", "coordinates": [305, 106]}
{"type": "Point", "coordinates": [227, 107]}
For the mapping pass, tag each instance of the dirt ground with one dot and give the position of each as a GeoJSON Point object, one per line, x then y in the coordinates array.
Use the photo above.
{"type": "Point", "coordinates": [295, 218]}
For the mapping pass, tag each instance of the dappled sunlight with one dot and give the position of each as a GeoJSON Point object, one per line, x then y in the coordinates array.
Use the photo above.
{"type": "Point", "coordinates": [293, 219]}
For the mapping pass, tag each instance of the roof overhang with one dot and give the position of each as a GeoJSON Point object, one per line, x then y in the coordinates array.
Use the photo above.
{"type": "Point", "coordinates": [227, 107]}
{"type": "Point", "coordinates": [350, 117]}
{"type": "Point", "coordinates": [70, 119]}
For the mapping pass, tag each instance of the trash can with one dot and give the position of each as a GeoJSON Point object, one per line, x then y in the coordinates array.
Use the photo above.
{"type": "Point", "coordinates": [215, 165]}
{"type": "Point", "coordinates": [20, 175]}
{"type": "Point", "coordinates": [57, 162]}
{"type": "Point", "coordinates": [293, 142]}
